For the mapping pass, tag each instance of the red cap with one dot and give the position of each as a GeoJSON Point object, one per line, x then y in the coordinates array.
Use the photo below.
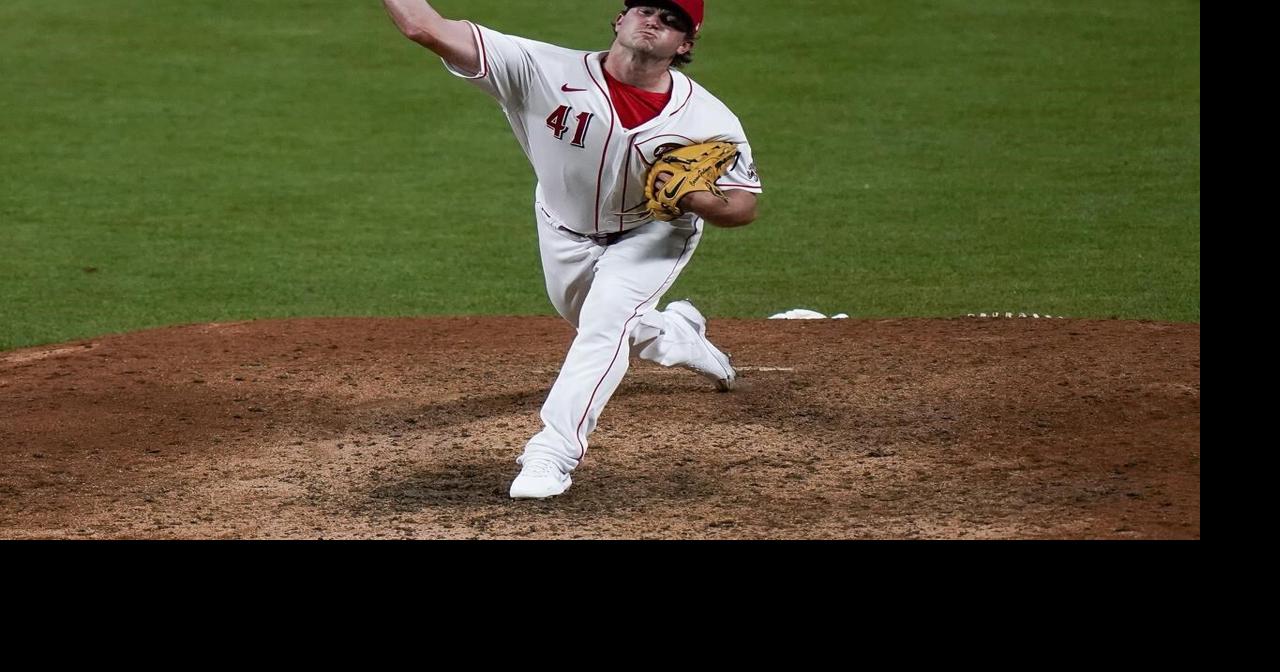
{"type": "Point", "coordinates": [692, 9]}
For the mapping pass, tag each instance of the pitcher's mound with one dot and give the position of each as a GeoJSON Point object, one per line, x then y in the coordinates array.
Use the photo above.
{"type": "Point", "coordinates": [409, 428]}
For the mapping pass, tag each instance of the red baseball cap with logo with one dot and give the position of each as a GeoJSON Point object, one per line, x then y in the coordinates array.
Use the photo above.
{"type": "Point", "coordinates": [692, 9]}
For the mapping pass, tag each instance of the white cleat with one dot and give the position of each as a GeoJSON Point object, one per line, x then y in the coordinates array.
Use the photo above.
{"type": "Point", "coordinates": [540, 478]}
{"type": "Point", "coordinates": [712, 364]}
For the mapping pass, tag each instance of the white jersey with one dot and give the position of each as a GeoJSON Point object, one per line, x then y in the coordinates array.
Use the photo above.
{"type": "Point", "coordinates": [591, 171]}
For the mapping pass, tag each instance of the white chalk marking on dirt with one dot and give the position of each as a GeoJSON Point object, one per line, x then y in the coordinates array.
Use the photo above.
{"type": "Point", "coordinates": [24, 357]}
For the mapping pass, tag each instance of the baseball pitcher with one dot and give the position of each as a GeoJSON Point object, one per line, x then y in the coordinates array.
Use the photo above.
{"type": "Point", "coordinates": [633, 158]}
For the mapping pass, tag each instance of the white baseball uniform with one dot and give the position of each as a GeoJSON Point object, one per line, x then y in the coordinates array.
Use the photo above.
{"type": "Point", "coordinates": [606, 262]}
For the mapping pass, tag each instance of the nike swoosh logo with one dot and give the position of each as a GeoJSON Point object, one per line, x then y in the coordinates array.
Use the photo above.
{"type": "Point", "coordinates": [671, 191]}
{"type": "Point", "coordinates": [569, 89]}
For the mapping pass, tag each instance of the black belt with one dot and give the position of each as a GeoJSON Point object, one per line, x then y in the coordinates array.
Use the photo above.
{"type": "Point", "coordinates": [602, 239]}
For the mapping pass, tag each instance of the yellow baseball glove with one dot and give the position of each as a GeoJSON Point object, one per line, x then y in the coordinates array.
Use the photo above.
{"type": "Point", "coordinates": [693, 168]}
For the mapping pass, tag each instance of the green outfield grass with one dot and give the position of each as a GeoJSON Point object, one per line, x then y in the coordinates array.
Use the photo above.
{"type": "Point", "coordinates": [172, 162]}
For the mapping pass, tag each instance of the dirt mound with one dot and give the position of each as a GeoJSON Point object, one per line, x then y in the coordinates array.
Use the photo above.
{"type": "Point", "coordinates": [409, 428]}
